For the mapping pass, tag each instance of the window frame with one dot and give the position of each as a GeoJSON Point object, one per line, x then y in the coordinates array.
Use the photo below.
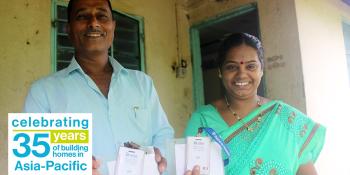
{"type": "Point", "coordinates": [54, 33]}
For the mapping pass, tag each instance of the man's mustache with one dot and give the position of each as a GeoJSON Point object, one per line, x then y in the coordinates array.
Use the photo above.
{"type": "Point", "coordinates": [95, 31]}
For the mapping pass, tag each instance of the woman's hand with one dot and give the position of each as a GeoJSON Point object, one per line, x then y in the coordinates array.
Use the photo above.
{"type": "Point", "coordinates": [195, 171]}
{"type": "Point", "coordinates": [307, 169]}
{"type": "Point", "coordinates": [161, 161]}
{"type": "Point", "coordinates": [95, 165]}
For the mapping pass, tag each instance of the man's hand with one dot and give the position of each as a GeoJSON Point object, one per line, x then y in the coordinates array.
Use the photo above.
{"type": "Point", "coordinates": [95, 165]}
{"type": "Point", "coordinates": [161, 161]}
{"type": "Point", "coordinates": [195, 171]}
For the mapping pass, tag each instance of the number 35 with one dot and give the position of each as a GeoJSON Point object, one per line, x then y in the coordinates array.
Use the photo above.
{"type": "Point", "coordinates": [36, 143]}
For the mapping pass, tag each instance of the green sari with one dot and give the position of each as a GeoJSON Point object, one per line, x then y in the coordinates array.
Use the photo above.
{"type": "Point", "coordinates": [282, 139]}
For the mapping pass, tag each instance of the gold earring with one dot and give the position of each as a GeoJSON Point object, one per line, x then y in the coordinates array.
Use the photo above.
{"type": "Point", "coordinates": [219, 75]}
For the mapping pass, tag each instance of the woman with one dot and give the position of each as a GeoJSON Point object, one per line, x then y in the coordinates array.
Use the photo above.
{"type": "Point", "coordinates": [264, 136]}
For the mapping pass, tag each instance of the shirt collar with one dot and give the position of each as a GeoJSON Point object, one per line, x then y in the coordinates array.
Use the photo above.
{"type": "Point", "coordinates": [74, 66]}
{"type": "Point", "coordinates": [117, 67]}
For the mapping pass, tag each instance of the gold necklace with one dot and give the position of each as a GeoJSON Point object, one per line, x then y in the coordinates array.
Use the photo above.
{"type": "Point", "coordinates": [239, 118]}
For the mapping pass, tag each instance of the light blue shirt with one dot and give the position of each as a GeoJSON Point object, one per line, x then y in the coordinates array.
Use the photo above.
{"type": "Point", "coordinates": [131, 112]}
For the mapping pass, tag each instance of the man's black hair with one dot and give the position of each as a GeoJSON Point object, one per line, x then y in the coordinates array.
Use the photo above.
{"type": "Point", "coordinates": [70, 6]}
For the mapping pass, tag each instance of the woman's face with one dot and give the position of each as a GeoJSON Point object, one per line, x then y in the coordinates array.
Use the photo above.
{"type": "Point", "coordinates": [241, 72]}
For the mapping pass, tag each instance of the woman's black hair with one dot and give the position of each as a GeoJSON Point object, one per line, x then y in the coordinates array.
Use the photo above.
{"type": "Point", "coordinates": [237, 39]}
{"type": "Point", "coordinates": [70, 6]}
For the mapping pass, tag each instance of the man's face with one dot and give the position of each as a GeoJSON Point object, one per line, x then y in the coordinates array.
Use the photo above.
{"type": "Point", "coordinates": [91, 27]}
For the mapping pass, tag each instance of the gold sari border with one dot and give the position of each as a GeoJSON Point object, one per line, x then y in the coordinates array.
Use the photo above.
{"type": "Point", "coordinates": [230, 137]}
{"type": "Point", "coordinates": [308, 140]}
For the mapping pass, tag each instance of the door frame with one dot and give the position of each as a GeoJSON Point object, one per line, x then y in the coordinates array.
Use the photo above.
{"type": "Point", "coordinates": [197, 83]}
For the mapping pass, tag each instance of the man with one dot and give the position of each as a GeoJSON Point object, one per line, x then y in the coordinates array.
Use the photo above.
{"type": "Point", "coordinates": [124, 103]}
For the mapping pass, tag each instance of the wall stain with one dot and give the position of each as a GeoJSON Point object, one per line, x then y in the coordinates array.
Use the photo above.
{"type": "Point", "coordinates": [276, 61]}
{"type": "Point", "coordinates": [186, 92]}
{"type": "Point", "coordinates": [27, 4]}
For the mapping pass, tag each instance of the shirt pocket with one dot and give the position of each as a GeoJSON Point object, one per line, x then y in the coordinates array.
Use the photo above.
{"type": "Point", "coordinates": [141, 118]}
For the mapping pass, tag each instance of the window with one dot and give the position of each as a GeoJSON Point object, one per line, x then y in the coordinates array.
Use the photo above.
{"type": "Point", "coordinates": [127, 46]}
{"type": "Point", "coordinates": [346, 31]}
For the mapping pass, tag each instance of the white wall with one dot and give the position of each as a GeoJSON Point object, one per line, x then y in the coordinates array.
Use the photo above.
{"type": "Point", "coordinates": [326, 77]}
